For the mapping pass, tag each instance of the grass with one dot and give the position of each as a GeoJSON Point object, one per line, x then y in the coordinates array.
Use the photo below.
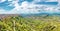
{"type": "Point", "coordinates": [18, 23]}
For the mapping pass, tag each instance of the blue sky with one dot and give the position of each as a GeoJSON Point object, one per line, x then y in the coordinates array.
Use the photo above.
{"type": "Point", "coordinates": [28, 6]}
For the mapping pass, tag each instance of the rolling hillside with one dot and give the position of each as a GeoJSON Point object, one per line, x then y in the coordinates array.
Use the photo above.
{"type": "Point", "coordinates": [32, 23]}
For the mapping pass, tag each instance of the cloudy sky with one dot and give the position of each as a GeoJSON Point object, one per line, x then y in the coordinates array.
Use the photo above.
{"type": "Point", "coordinates": [29, 6]}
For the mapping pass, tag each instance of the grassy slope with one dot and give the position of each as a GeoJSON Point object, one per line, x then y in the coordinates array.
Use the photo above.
{"type": "Point", "coordinates": [18, 23]}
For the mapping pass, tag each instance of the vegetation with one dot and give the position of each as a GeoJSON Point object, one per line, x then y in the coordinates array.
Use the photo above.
{"type": "Point", "coordinates": [18, 23]}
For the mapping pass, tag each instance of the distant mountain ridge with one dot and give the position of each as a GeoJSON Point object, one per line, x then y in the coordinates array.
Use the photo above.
{"type": "Point", "coordinates": [7, 15]}
{"type": "Point", "coordinates": [27, 15]}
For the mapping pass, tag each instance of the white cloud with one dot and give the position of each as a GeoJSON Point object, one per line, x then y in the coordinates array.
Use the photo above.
{"type": "Point", "coordinates": [10, 0]}
{"type": "Point", "coordinates": [51, 0]}
{"type": "Point", "coordinates": [2, 1]}
{"type": "Point", "coordinates": [45, 0]}
{"type": "Point", "coordinates": [27, 8]}
{"type": "Point", "coordinates": [18, 9]}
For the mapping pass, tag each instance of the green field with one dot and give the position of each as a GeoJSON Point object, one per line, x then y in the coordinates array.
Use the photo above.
{"type": "Point", "coordinates": [33, 23]}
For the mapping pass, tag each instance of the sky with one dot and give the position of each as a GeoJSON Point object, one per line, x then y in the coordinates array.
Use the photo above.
{"type": "Point", "coordinates": [29, 6]}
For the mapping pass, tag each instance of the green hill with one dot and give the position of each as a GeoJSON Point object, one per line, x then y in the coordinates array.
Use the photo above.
{"type": "Point", "coordinates": [33, 23]}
